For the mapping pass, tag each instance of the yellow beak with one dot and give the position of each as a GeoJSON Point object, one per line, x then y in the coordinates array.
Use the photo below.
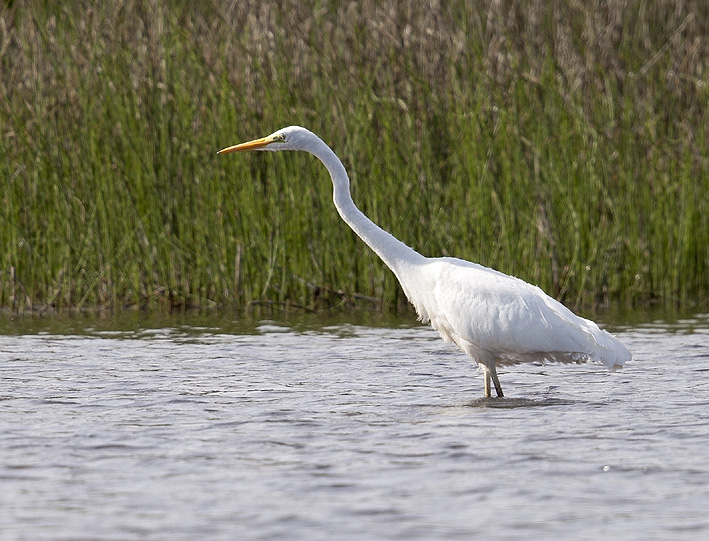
{"type": "Point", "coordinates": [251, 145]}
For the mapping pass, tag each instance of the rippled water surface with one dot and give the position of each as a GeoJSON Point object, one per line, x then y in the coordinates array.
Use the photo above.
{"type": "Point", "coordinates": [344, 431]}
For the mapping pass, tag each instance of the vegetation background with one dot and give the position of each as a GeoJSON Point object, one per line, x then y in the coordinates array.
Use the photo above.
{"type": "Point", "coordinates": [564, 142]}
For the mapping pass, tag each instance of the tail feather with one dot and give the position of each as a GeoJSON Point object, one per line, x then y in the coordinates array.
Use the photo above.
{"type": "Point", "coordinates": [609, 350]}
{"type": "Point", "coordinates": [594, 343]}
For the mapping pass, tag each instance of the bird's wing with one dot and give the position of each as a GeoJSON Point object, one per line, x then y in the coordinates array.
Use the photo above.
{"type": "Point", "coordinates": [508, 317]}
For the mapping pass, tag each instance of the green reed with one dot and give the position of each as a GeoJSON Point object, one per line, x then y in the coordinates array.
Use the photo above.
{"type": "Point", "coordinates": [560, 142]}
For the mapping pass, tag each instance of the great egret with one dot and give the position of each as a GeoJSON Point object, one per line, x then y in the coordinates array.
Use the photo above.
{"type": "Point", "coordinates": [494, 318]}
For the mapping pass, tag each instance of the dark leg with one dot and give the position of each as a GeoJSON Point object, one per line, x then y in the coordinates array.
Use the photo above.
{"type": "Point", "coordinates": [496, 381]}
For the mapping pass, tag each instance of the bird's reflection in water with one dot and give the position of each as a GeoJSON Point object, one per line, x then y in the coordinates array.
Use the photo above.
{"type": "Point", "coordinates": [508, 403]}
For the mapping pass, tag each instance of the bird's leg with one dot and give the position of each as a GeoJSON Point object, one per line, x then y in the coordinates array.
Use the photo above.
{"type": "Point", "coordinates": [496, 381]}
{"type": "Point", "coordinates": [491, 375]}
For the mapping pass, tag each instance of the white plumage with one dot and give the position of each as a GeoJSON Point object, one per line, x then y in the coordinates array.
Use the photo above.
{"type": "Point", "coordinates": [494, 318]}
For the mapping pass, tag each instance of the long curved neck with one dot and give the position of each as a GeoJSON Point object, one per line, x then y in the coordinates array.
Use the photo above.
{"type": "Point", "coordinates": [395, 254]}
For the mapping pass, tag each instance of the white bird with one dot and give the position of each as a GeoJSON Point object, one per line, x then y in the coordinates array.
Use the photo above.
{"type": "Point", "coordinates": [494, 318]}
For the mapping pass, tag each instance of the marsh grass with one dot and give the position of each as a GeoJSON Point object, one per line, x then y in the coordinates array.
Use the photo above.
{"type": "Point", "coordinates": [562, 142]}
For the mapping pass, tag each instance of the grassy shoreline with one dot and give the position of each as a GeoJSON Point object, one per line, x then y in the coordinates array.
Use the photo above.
{"type": "Point", "coordinates": [562, 144]}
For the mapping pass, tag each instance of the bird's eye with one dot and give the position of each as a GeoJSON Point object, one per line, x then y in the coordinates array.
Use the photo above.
{"type": "Point", "coordinates": [280, 138]}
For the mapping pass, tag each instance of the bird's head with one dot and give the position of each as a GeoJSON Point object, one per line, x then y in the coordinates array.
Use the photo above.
{"type": "Point", "coordinates": [290, 138]}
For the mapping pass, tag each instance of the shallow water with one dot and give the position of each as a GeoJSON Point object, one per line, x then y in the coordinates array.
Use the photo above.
{"type": "Point", "coordinates": [323, 431]}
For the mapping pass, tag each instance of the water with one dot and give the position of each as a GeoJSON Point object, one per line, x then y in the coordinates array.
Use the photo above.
{"type": "Point", "coordinates": [346, 431]}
